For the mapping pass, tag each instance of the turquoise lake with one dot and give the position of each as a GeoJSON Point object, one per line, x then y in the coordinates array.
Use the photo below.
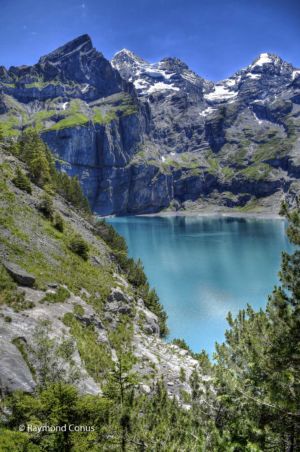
{"type": "Point", "coordinates": [203, 267]}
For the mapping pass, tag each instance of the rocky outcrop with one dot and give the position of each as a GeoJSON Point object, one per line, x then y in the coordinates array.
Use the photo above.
{"type": "Point", "coordinates": [14, 372]}
{"type": "Point", "coordinates": [19, 275]}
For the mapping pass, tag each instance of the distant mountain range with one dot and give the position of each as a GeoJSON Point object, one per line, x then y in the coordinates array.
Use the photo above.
{"type": "Point", "coordinates": [144, 137]}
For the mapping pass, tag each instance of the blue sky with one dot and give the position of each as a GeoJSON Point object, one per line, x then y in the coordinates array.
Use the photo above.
{"type": "Point", "coordinates": [214, 37]}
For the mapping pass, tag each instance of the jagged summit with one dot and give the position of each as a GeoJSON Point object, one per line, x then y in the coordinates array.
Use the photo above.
{"type": "Point", "coordinates": [266, 58]}
{"type": "Point", "coordinates": [81, 44]}
{"type": "Point", "coordinates": [270, 63]}
{"type": "Point", "coordinates": [169, 75]}
{"type": "Point", "coordinates": [125, 53]}
{"type": "Point", "coordinates": [172, 63]}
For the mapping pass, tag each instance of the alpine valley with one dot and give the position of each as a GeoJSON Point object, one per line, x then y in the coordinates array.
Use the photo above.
{"type": "Point", "coordinates": [144, 137]}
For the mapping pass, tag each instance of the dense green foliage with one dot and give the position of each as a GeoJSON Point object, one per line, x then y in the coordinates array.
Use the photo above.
{"type": "Point", "coordinates": [21, 181]}
{"type": "Point", "coordinates": [79, 246]}
{"type": "Point", "coordinates": [46, 206]}
{"type": "Point", "coordinates": [258, 367]}
{"type": "Point", "coordinates": [58, 222]}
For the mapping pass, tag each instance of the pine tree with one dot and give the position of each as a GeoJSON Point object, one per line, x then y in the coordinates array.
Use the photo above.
{"type": "Point", "coordinates": [34, 152]}
{"type": "Point", "coordinates": [21, 181]}
{"type": "Point", "coordinates": [258, 371]}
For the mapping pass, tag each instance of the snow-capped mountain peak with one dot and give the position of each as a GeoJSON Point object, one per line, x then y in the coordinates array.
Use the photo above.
{"type": "Point", "coordinates": [265, 58]}
{"type": "Point", "coordinates": [169, 74]}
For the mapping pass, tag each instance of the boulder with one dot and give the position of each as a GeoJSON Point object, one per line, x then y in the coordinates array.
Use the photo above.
{"type": "Point", "coordinates": [14, 372]}
{"type": "Point", "coordinates": [19, 275]}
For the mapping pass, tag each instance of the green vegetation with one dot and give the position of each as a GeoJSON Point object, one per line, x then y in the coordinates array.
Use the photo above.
{"type": "Point", "coordinates": [9, 126]}
{"type": "Point", "coordinates": [227, 172]}
{"type": "Point", "coordinates": [98, 117]}
{"type": "Point", "coordinates": [273, 148]}
{"type": "Point", "coordinates": [258, 171]}
{"type": "Point", "coordinates": [41, 169]}
{"type": "Point", "coordinates": [58, 222]}
{"type": "Point", "coordinates": [79, 246]}
{"type": "Point", "coordinates": [251, 206]}
{"type": "Point", "coordinates": [21, 181]}
{"type": "Point", "coordinates": [95, 356]}
{"type": "Point", "coordinates": [41, 116]}
{"type": "Point", "coordinates": [8, 290]}
{"type": "Point", "coordinates": [21, 346]}
{"type": "Point", "coordinates": [213, 165]}
{"type": "Point", "coordinates": [70, 189]}
{"type": "Point", "coordinates": [106, 112]}
{"type": "Point", "coordinates": [58, 296]}
{"type": "Point", "coordinates": [73, 120]}
{"type": "Point", "coordinates": [134, 272]}
{"type": "Point", "coordinates": [46, 206]}
{"type": "Point", "coordinates": [71, 117]}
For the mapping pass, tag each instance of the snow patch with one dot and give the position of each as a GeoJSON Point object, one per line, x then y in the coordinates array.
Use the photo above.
{"type": "Point", "coordinates": [163, 159]}
{"type": "Point", "coordinates": [207, 111]}
{"type": "Point", "coordinates": [220, 92]}
{"type": "Point", "coordinates": [64, 105]}
{"type": "Point", "coordinates": [257, 119]}
{"type": "Point", "coordinates": [295, 74]}
{"type": "Point", "coordinates": [264, 58]}
{"type": "Point", "coordinates": [160, 86]}
{"type": "Point", "coordinates": [229, 82]}
{"type": "Point", "coordinates": [253, 76]}
{"type": "Point", "coordinates": [85, 88]}
{"type": "Point", "coordinates": [140, 84]}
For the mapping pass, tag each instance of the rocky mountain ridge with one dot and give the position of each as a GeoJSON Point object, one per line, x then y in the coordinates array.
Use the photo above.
{"type": "Point", "coordinates": [143, 137]}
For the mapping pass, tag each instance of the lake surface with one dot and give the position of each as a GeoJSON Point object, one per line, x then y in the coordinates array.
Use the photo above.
{"type": "Point", "coordinates": [203, 267]}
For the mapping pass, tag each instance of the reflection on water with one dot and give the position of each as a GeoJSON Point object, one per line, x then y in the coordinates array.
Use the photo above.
{"type": "Point", "coordinates": [204, 267]}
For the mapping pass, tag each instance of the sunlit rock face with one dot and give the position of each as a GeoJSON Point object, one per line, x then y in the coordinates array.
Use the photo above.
{"type": "Point", "coordinates": [144, 136]}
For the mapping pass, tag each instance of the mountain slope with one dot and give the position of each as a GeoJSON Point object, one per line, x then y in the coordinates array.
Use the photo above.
{"type": "Point", "coordinates": [143, 137]}
{"type": "Point", "coordinates": [72, 297]}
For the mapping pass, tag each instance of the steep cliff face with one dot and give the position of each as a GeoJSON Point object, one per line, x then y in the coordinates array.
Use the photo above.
{"type": "Point", "coordinates": [142, 137]}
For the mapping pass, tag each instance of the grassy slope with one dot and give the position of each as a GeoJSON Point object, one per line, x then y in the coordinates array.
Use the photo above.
{"type": "Point", "coordinates": [30, 240]}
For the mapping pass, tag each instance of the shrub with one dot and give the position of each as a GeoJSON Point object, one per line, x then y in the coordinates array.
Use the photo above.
{"type": "Point", "coordinates": [9, 294]}
{"type": "Point", "coordinates": [79, 246]}
{"type": "Point", "coordinates": [21, 181]}
{"type": "Point", "coordinates": [78, 310]}
{"type": "Point", "coordinates": [58, 222]}
{"type": "Point", "coordinates": [61, 295]}
{"type": "Point", "coordinates": [46, 206]}
{"type": "Point", "coordinates": [181, 343]}
{"type": "Point", "coordinates": [110, 236]}
{"type": "Point", "coordinates": [151, 300]}
{"type": "Point", "coordinates": [70, 189]}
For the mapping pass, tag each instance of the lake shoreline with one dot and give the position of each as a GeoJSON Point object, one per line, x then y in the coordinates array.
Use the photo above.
{"type": "Point", "coordinates": [191, 213]}
{"type": "Point", "coordinates": [205, 214]}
